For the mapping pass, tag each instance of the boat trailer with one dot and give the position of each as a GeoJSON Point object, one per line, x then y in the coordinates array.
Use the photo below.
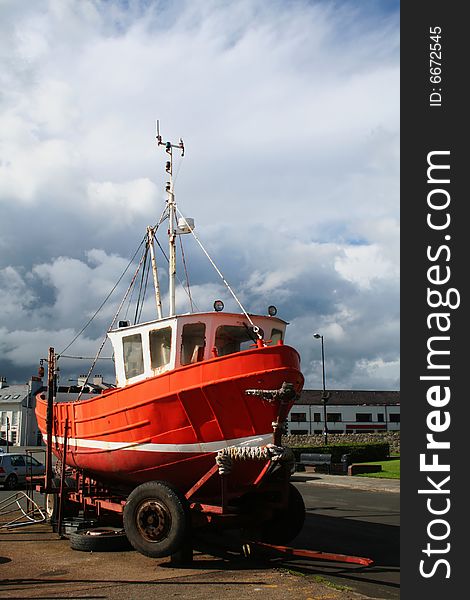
{"type": "Point", "coordinates": [160, 521]}
{"type": "Point", "coordinates": [74, 492]}
{"type": "Point", "coordinates": [93, 497]}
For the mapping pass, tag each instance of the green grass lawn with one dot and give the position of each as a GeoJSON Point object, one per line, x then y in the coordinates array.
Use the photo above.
{"type": "Point", "coordinates": [390, 469]}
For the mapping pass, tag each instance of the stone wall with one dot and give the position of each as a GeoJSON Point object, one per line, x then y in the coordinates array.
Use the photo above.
{"type": "Point", "coordinates": [391, 437]}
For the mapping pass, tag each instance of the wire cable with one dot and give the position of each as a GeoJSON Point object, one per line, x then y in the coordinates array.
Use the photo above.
{"type": "Point", "coordinates": [104, 301]}
{"type": "Point", "coordinates": [186, 274]}
{"type": "Point", "coordinates": [255, 327]}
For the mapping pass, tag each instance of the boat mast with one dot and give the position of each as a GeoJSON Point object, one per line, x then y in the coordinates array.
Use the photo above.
{"type": "Point", "coordinates": [171, 216]}
{"type": "Point", "coordinates": [156, 284]}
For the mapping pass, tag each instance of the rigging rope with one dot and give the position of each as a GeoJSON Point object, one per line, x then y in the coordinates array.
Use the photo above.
{"type": "Point", "coordinates": [140, 298]}
{"type": "Point", "coordinates": [129, 303]}
{"type": "Point", "coordinates": [186, 273]}
{"type": "Point", "coordinates": [145, 292]}
{"type": "Point", "coordinates": [91, 368]}
{"type": "Point", "coordinates": [112, 324]}
{"type": "Point", "coordinates": [163, 217]}
{"type": "Point", "coordinates": [255, 327]}
{"type": "Point", "coordinates": [104, 301]}
{"type": "Point", "coordinates": [128, 290]}
{"type": "Point", "coordinates": [86, 357]}
{"type": "Point", "coordinates": [179, 280]}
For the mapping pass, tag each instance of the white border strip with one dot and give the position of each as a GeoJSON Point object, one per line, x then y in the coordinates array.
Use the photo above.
{"type": "Point", "coordinates": [259, 440]}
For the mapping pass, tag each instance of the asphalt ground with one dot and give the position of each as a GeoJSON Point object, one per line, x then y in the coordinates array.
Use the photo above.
{"type": "Point", "coordinates": [353, 516]}
{"type": "Point", "coordinates": [36, 564]}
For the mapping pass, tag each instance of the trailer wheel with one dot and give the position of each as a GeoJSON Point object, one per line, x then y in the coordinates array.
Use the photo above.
{"type": "Point", "coordinates": [156, 519]}
{"type": "Point", "coordinates": [99, 539]}
{"type": "Point", "coordinates": [69, 509]}
{"type": "Point", "coordinates": [286, 524]}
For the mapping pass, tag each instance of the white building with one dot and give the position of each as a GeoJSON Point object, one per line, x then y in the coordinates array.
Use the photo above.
{"type": "Point", "coordinates": [347, 411]}
{"type": "Point", "coordinates": [17, 407]}
{"type": "Point", "coordinates": [17, 417]}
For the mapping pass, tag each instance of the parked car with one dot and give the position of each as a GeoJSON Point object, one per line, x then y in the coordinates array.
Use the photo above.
{"type": "Point", "coordinates": [14, 467]}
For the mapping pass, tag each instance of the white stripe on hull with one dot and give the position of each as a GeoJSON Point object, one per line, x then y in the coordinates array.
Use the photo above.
{"type": "Point", "coordinates": [259, 440]}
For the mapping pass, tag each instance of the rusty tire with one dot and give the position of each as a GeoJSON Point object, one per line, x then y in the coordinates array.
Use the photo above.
{"type": "Point", "coordinates": [156, 519]}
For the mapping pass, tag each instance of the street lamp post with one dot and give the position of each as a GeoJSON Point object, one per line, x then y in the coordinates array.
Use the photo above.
{"type": "Point", "coordinates": [324, 395]}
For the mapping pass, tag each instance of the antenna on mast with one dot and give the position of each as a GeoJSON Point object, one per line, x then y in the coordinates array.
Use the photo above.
{"type": "Point", "coordinates": [172, 227]}
{"type": "Point", "coordinates": [159, 137]}
{"type": "Point", "coordinates": [169, 145]}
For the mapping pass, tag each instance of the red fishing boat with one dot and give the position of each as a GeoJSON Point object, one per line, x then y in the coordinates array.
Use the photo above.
{"type": "Point", "coordinates": [197, 396]}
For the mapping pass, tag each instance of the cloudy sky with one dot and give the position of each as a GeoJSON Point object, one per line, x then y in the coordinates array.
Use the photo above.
{"type": "Point", "coordinates": [289, 110]}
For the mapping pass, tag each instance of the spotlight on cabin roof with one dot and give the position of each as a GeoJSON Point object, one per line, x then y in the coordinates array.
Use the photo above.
{"type": "Point", "coordinates": [218, 305]}
{"type": "Point", "coordinates": [272, 311]}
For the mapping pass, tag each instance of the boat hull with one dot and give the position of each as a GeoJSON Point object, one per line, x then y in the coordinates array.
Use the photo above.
{"type": "Point", "coordinates": [169, 427]}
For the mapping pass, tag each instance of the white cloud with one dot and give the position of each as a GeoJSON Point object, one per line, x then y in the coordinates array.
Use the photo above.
{"type": "Point", "coordinates": [16, 297]}
{"type": "Point", "coordinates": [81, 286]}
{"type": "Point", "coordinates": [364, 264]}
{"type": "Point", "coordinates": [40, 169]}
{"type": "Point", "coordinates": [116, 204]}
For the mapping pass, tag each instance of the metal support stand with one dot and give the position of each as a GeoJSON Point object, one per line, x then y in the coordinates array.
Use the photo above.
{"type": "Point", "coordinates": [49, 416]}
{"type": "Point", "coordinates": [62, 480]}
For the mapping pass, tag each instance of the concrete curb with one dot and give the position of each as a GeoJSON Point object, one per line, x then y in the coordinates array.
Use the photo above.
{"type": "Point", "coordinates": [359, 483]}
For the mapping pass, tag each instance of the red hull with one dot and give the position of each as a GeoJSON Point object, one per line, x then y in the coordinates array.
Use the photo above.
{"type": "Point", "coordinates": [168, 427]}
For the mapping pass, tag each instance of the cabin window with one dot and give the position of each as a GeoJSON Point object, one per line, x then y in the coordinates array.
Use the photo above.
{"type": "Point", "coordinates": [133, 355]}
{"type": "Point", "coordinates": [160, 347]}
{"type": "Point", "coordinates": [193, 341]}
{"type": "Point", "coordinates": [276, 335]}
{"type": "Point", "coordinates": [233, 338]}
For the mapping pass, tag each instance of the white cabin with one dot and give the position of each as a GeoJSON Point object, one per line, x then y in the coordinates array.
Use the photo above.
{"type": "Point", "coordinates": [149, 349]}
